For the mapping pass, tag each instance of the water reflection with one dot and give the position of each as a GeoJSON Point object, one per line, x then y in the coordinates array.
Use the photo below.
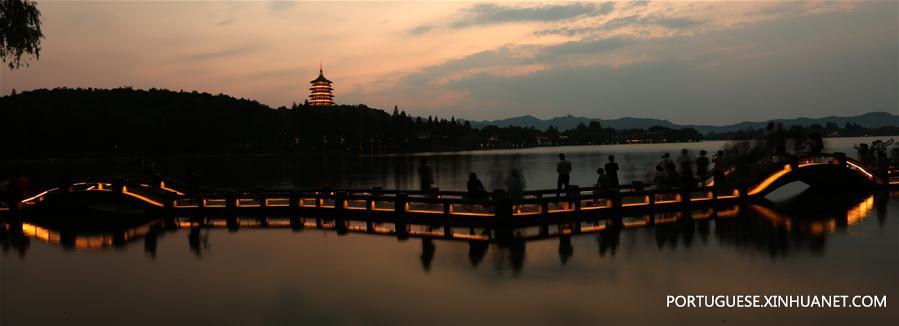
{"type": "Point", "coordinates": [776, 230]}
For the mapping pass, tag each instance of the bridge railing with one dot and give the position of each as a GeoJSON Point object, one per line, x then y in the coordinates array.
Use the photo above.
{"type": "Point", "coordinates": [436, 201]}
{"type": "Point", "coordinates": [544, 202]}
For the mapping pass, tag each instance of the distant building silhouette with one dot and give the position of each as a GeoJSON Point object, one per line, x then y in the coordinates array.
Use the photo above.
{"type": "Point", "coordinates": [320, 94]}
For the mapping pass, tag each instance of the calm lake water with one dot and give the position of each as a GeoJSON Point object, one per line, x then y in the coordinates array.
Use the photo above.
{"type": "Point", "coordinates": [818, 245]}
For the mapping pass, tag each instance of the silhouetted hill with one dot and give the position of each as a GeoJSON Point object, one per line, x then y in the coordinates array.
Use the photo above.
{"type": "Point", "coordinates": [867, 120]}
{"type": "Point", "coordinates": [67, 122]}
{"type": "Point", "coordinates": [70, 123]}
{"type": "Point", "coordinates": [75, 123]}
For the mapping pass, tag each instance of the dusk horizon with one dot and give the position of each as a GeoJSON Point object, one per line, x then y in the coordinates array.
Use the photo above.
{"type": "Point", "coordinates": [486, 61]}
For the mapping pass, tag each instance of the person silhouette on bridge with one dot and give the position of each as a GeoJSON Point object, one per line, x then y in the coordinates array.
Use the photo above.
{"type": "Point", "coordinates": [670, 169]}
{"type": "Point", "coordinates": [563, 168]}
{"type": "Point", "coordinates": [702, 167]}
{"type": "Point", "coordinates": [660, 179]}
{"type": "Point", "coordinates": [475, 188]}
{"type": "Point", "coordinates": [720, 178]}
{"type": "Point", "coordinates": [515, 184]}
{"type": "Point", "coordinates": [775, 140]}
{"type": "Point", "coordinates": [612, 172]}
{"type": "Point", "coordinates": [686, 169]}
{"type": "Point", "coordinates": [425, 176]}
{"type": "Point", "coordinates": [602, 181]}
{"type": "Point", "coordinates": [816, 143]}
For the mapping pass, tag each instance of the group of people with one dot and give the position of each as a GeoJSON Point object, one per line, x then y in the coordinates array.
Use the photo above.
{"type": "Point", "coordinates": [684, 172]}
{"type": "Point", "coordinates": [680, 173]}
{"type": "Point", "coordinates": [606, 180]}
{"type": "Point", "coordinates": [803, 144]}
{"type": "Point", "coordinates": [876, 156]}
{"type": "Point", "coordinates": [515, 183]}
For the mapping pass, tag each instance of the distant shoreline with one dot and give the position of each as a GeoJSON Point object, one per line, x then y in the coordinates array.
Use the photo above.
{"type": "Point", "coordinates": [382, 154]}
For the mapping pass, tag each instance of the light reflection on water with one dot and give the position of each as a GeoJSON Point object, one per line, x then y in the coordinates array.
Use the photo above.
{"type": "Point", "coordinates": [263, 271]}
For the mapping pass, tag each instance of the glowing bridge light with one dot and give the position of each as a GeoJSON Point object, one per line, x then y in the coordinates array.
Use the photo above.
{"type": "Point", "coordinates": [163, 187]}
{"type": "Point", "coordinates": [771, 179]}
{"type": "Point", "coordinates": [860, 169]}
{"type": "Point", "coordinates": [141, 197]}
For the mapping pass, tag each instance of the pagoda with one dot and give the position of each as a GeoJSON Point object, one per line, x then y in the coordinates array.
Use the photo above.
{"type": "Point", "coordinates": [321, 91]}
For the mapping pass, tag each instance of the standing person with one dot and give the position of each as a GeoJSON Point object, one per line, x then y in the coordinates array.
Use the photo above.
{"type": "Point", "coordinates": [817, 143]}
{"type": "Point", "coordinates": [425, 176]}
{"type": "Point", "coordinates": [516, 185]}
{"type": "Point", "coordinates": [563, 168]}
{"type": "Point", "coordinates": [770, 139]}
{"type": "Point", "coordinates": [780, 140]}
{"type": "Point", "coordinates": [475, 188]}
{"type": "Point", "coordinates": [612, 172]}
{"type": "Point", "coordinates": [861, 151]}
{"type": "Point", "coordinates": [720, 167]}
{"type": "Point", "coordinates": [686, 169]}
{"type": "Point", "coordinates": [702, 167]}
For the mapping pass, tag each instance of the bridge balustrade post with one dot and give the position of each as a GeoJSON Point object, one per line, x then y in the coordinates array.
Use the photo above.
{"type": "Point", "coordinates": [447, 207]}
{"type": "Point", "coordinates": [399, 204]}
{"type": "Point", "coordinates": [399, 211]}
{"type": "Point", "coordinates": [376, 193]}
{"type": "Point", "coordinates": [262, 200]}
{"type": "Point", "coordinates": [118, 185]}
{"type": "Point", "coordinates": [294, 199]}
{"type": "Point", "coordinates": [230, 200]}
{"type": "Point", "coordinates": [544, 205]}
{"type": "Point", "coordinates": [502, 206]}
{"type": "Point", "coordinates": [340, 201]}
{"type": "Point", "coordinates": [169, 202]}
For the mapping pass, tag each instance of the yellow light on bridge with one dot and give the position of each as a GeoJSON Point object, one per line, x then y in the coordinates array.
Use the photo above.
{"type": "Point", "coordinates": [143, 198]}
{"type": "Point", "coordinates": [770, 179]}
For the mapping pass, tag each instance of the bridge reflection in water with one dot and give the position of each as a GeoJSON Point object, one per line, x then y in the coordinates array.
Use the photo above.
{"type": "Point", "coordinates": [775, 230]}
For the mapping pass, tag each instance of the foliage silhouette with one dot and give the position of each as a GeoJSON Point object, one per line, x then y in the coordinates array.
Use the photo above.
{"type": "Point", "coordinates": [20, 32]}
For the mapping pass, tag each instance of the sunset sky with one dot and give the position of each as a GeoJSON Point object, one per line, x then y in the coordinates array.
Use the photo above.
{"type": "Point", "coordinates": [688, 62]}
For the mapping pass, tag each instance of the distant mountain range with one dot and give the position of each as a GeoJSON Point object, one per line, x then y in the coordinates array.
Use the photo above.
{"type": "Point", "coordinates": [869, 120]}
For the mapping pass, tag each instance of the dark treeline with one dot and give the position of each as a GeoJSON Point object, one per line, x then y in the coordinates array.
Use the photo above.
{"type": "Point", "coordinates": [828, 130]}
{"type": "Point", "coordinates": [70, 123]}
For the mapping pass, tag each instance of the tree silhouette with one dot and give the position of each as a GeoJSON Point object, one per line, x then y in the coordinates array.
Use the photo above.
{"type": "Point", "coordinates": [20, 32]}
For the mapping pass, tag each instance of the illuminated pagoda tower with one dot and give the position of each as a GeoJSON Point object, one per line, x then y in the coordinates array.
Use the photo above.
{"type": "Point", "coordinates": [321, 91]}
